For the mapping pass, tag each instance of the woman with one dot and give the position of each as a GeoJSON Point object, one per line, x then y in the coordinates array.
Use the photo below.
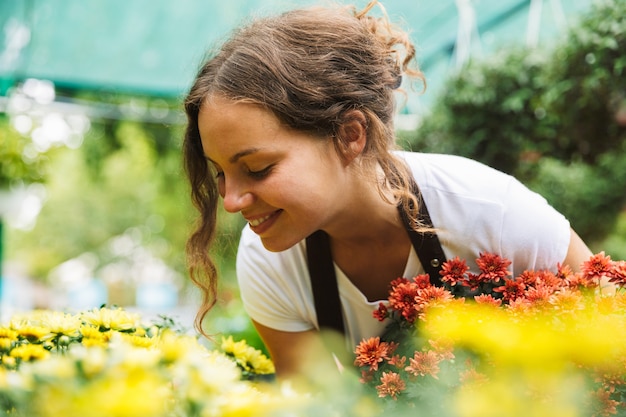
{"type": "Point", "coordinates": [291, 123]}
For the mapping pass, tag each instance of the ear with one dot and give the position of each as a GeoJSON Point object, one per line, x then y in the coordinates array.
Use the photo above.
{"type": "Point", "coordinates": [352, 135]}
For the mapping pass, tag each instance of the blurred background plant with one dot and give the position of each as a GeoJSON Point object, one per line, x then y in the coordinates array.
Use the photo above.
{"type": "Point", "coordinates": [553, 117]}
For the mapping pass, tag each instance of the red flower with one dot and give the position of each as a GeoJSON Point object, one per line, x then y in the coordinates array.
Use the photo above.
{"type": "Point", "coordinates": [618, 273]}
{"type": "Point", "coordinates": [511, 289]}
{"type": "Point", "coordinates": [372, 352]}
{"type": "Point", "coordinates": [453, 271]}
{"type": "Point", "coordinates": [597, 266]}
{"type": "Point", "coordinates": [422, 280]}
{"type": "Point", "coordinates": [402, 298]}
{"type": "Point", "coordinates": [473, 281]}
{"type": "Point", "coordinates": [424, 363]}
{"type": "Point", "coordinates": [493, 267]}
{"type": "Point", "coordinates": [381, 313]}
{"type": "Point", "coordinates": [391, 385]}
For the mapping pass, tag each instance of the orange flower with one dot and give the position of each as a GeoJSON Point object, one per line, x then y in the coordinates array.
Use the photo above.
{"type": "Point", "coordinates": [429, 296]}
{"type": "Point", "coordinates": [605, 404]}
{"type": "Point", "coordinates": [372, 352]}
{"type": "Point", "coordinates": [391, 385]}
{"type": "Point", "coordinates": [597, 266]}
{"type": "Point", "coordinates": [488, 299]}
{"type": "Point", "coordinates": [424, 363]}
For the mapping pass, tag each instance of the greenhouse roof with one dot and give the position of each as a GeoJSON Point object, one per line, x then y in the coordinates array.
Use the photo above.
{"type": "Point", "coordinates": [154, 47]}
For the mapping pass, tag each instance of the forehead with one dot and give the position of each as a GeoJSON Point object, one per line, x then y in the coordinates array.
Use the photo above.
{"type": "Point", "coordinates": [227, 123]}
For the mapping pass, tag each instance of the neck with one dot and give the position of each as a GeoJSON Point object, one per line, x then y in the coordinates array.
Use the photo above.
{"type": "Point", "coordinates": [367, 219]}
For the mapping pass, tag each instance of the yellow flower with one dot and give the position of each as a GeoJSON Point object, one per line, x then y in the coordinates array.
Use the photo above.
{"type": "Point", "coordinates": [109, 319]}
{"type": "Point", "coordinates": [6, 333]}
{"type": "Point", "coordinates": [174, 347]}
{"type": "Point", "coordinates": [34, 333]}
{"type": "Point", "coordinates": [61, 323]}
{"type": "Point", "coordinates": [138, 341]}
{"type": "Point", "coordinates": [28, 353]}
{"type": "Point", "coordinates": [8, 338]}
{"type": "Point", "coordinates": [249, 358]}
{"type": "Point", "coordinates": [94, 337]}
{"type": "Point", "coordinates": [139, 393]}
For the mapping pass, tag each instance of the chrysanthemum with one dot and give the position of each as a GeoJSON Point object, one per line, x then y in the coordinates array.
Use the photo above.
{"type": "Point", "coordinates": [453, 271]}
{"type": "Point", "coordinates": [397, 361]}
{"type": "Point", "coordinates": [27, 353]}
{"type": "Point", "coordinates": [493, 267]}
{"type": "Point", "coordinates": [424, 363]}
{"type": "Point", "coordinates": [597, 266]}
{"type": "Point", "coordinates": [248, 358]}
{"type": "Point", "coordinates": [110, 319]}
{"type": "Point", "coordinates": [33, 333]}
{"type": "Point", "coordinates": [381, 313]}
{"type": "Point", "coordinates": [511, 290]}
{"type": "Point", "coordinates": [474, 281]}
{"type": "Point", "coordinates": [371, 352]}
{"type": "Point", "coordinates": [567, 299]}
{"type": "Point", "coordinates": [488, 299]}
{"type": "Point", "coordinates": [402, 298]}
{"type": "Point", "coordinates": [604, 404]}
{"type": "Point", "coordinates": [431, 296]}
{"type": "Point", "coordinates": [539, 296]}
{"type": "Point", "coordinates": [59, 323]}
{"type": "Point", "coordinates": [391, 385]}
{"type": "Point", "coordinates": [618, 273]}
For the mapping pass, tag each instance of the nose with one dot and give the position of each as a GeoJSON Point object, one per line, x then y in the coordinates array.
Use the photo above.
{"type": "Point", "coordinates": [236, 198]}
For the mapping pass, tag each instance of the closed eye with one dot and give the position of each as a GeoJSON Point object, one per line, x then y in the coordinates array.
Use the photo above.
{"type": "Point", "coordinates": [261, 173]}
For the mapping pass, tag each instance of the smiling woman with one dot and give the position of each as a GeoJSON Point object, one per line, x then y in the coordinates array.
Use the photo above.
{"type": "Point", "coordinates": [291, 123]}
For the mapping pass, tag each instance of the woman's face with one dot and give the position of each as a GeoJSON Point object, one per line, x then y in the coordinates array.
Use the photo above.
{"type": "Point", "coordinates": [286, 184]}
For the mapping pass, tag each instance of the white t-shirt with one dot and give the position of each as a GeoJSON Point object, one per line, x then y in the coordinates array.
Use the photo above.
{"type": "Point", "coordinates": [475, 209]}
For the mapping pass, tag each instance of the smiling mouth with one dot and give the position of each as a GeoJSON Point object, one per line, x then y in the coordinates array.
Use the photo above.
{"type": "Point", "coordinates": [259, 221]}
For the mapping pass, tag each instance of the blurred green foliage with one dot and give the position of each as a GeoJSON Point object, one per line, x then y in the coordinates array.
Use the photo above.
{"type": "Point", "coordinates": [15, 166]}
{"type": "Point", "coordinates": [553, 117]}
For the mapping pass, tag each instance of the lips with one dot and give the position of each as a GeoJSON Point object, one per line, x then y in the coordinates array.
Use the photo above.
{"type": "Point", "coordinates": [261, 224]}
{"type": "Point", "coordinates": [258, 221]}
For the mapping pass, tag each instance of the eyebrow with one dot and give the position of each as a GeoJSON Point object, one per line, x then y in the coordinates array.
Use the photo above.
{"type": "Point", "coordinates": [239, 155]}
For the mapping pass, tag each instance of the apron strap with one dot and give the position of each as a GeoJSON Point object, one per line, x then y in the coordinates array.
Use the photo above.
{"type": "Point", "coordinates": [322, 268]}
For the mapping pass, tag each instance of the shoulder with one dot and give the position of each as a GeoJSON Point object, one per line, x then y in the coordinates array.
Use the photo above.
{"type": "Point", "coordinates": [456, 175]}
{"type": "Point", "coordinates": [480, 209]}
{"type": "Point", "coordinates": [275, 286]}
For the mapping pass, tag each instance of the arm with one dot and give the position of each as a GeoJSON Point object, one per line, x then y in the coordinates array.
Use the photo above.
{"type": "Point", "coordinates": [577, 252]}
{"type": "Point", "coordinates": [297, 353]}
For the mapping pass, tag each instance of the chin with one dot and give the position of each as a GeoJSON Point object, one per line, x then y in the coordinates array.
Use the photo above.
{"type": "Point", "coordinates": [275, 245]}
